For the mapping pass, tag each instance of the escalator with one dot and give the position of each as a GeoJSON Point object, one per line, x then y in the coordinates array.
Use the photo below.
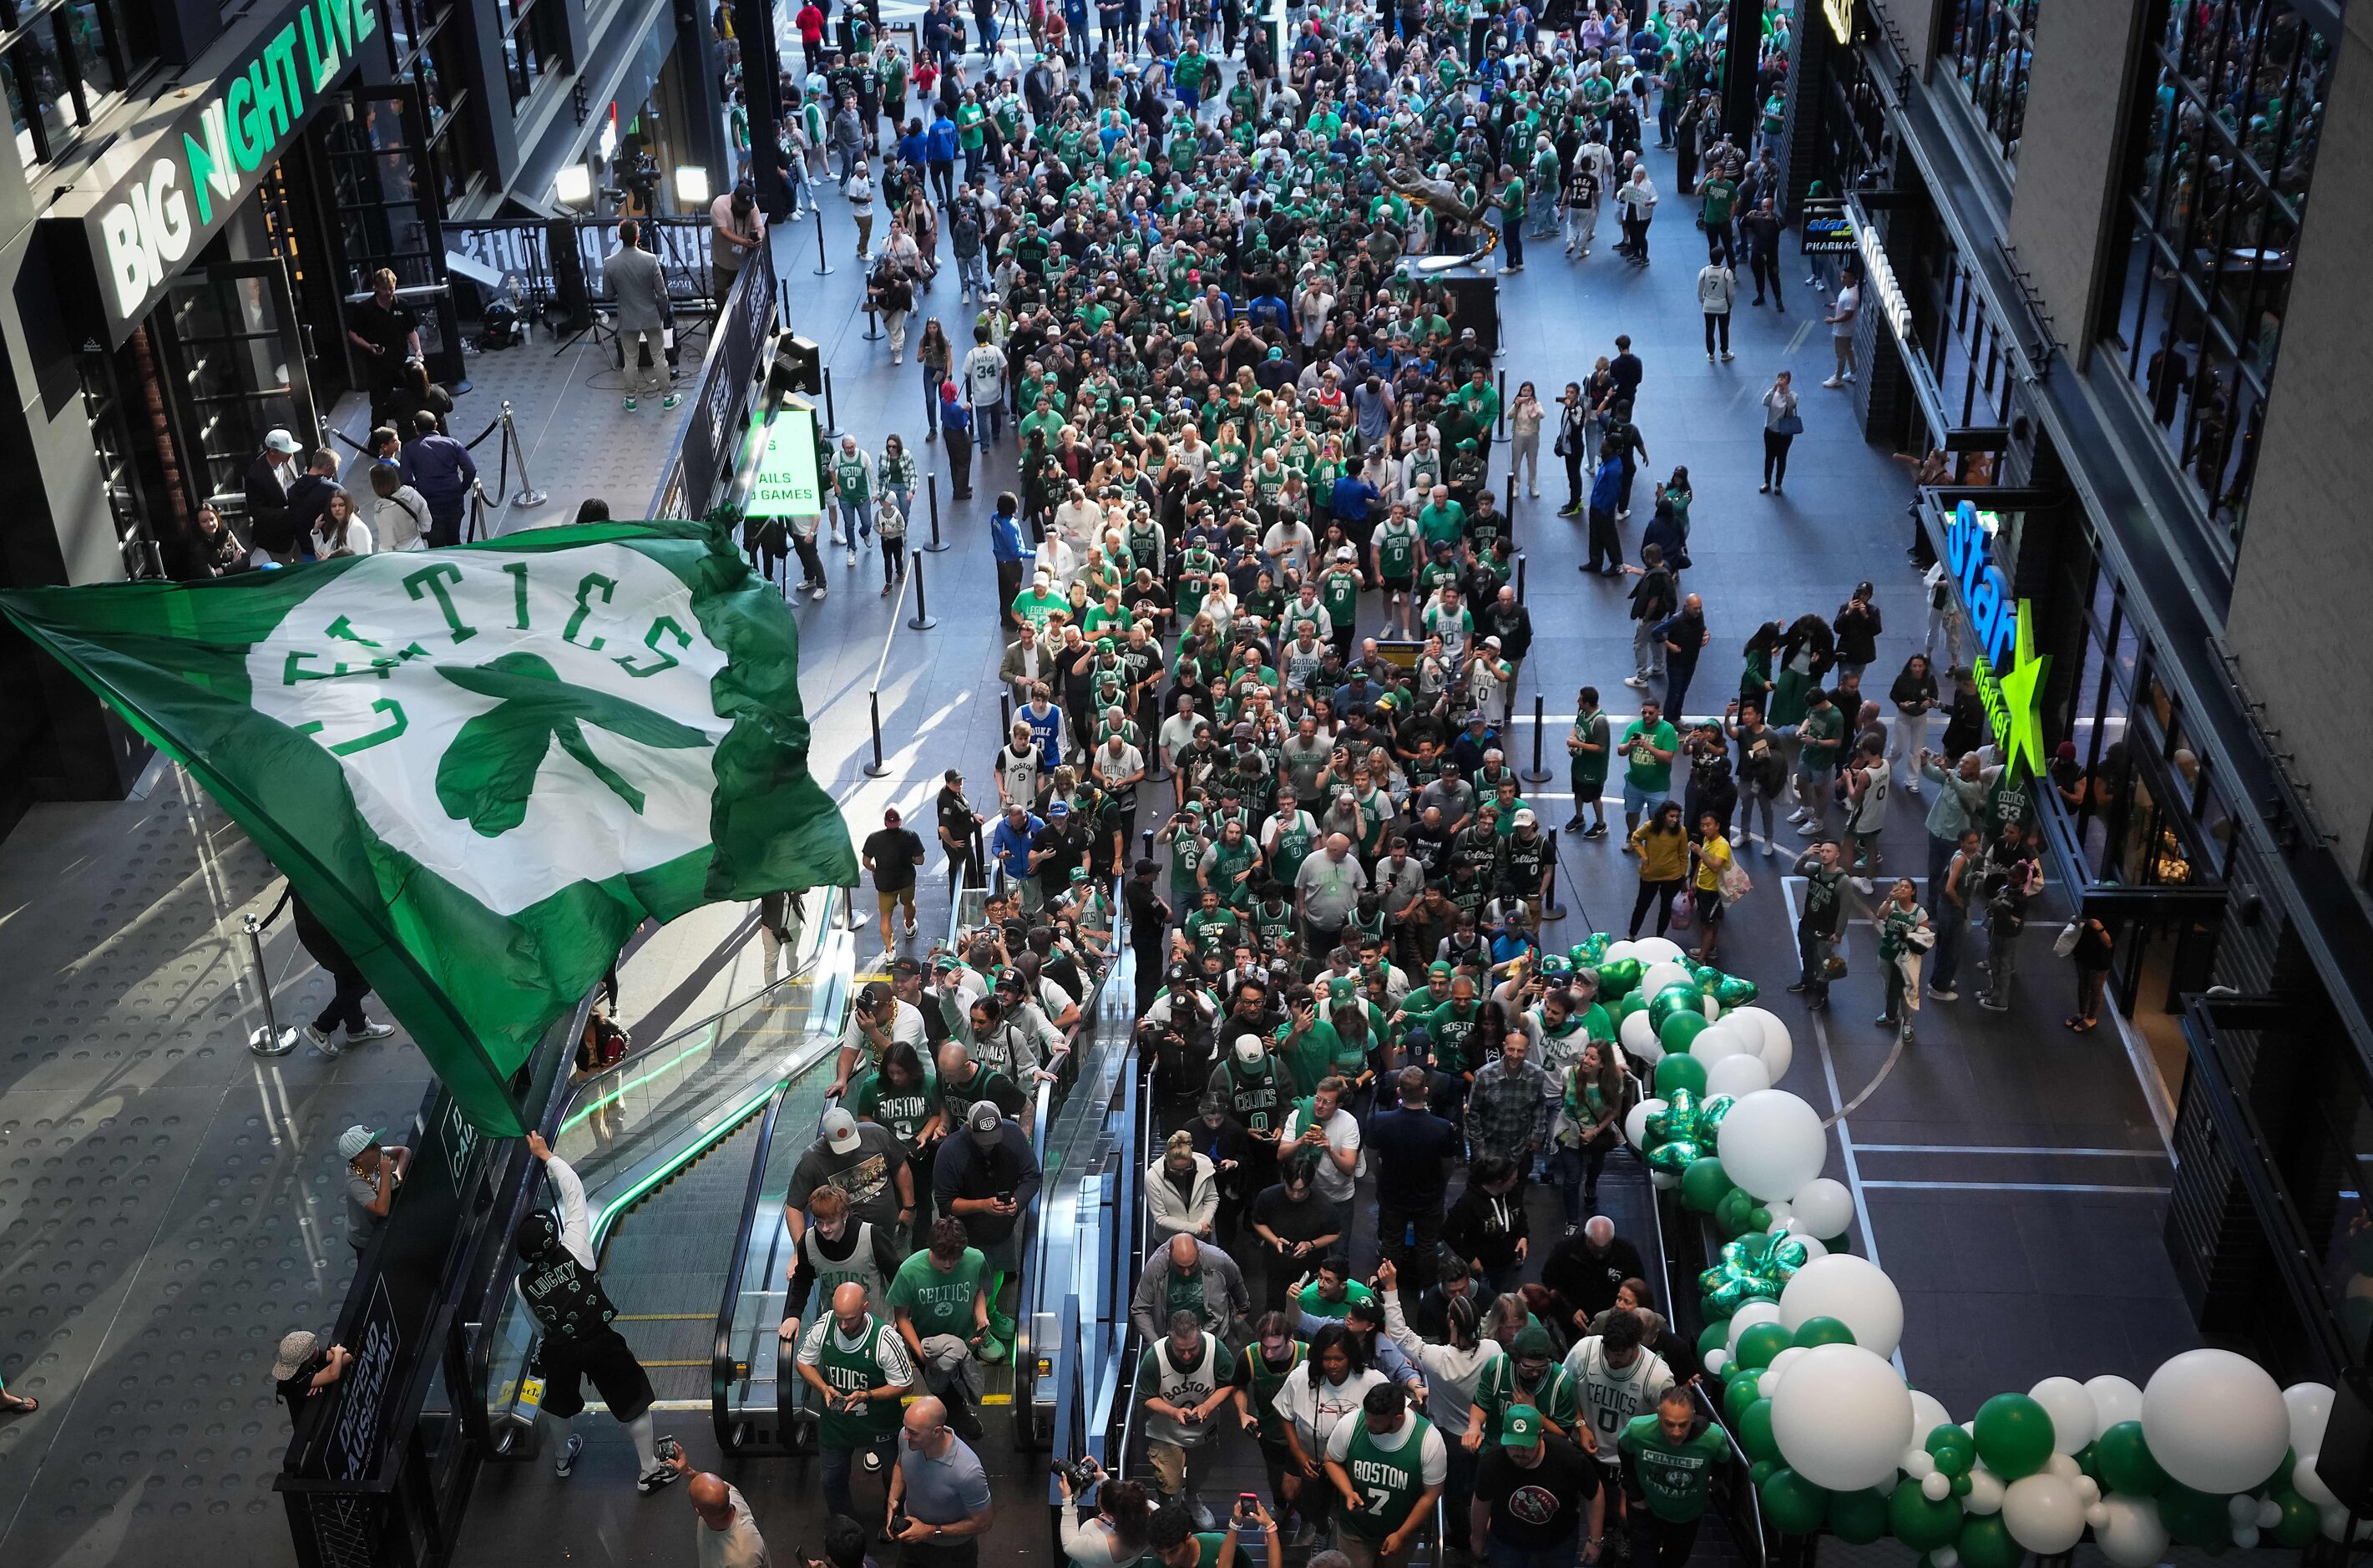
{"type": "Point", "coordinates": [663, 1142]}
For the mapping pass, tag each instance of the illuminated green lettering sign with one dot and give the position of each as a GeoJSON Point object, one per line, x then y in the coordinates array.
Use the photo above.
{"type": "Point", "coordinates": [787, 484]}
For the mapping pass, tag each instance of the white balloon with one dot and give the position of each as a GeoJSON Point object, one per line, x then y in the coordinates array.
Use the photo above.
{"type": "Point", "coordinates": [1778, 1053]}
{"type": "Point", "coordinates": [2270, 1514]}
{"type": "Point", "coordinates": [1824, 1207]}
{"type": "Point", "coordinates": [1784, 1217]}
{"type": "Point", "coordinates": [2131, 1536]}
{"type": "Point", "coordinates": [1712, 1010]}
{"type": "Point", "coordinates": [1716, 1045]}
{"type": "Point", "coordinates": [1985, 1494]}
{"type": "Point", "coordinates": [1748, 1317]}
{"type": "Point", "coordinates": [1635, 1125]}
{"type": "Point", "coordinates": [1638, 1037]}
{"type": "Point", "coordinates": [1658, 975]}
{"type": "Point", "coordinates": [2242, 1508]}
{"type": "Point", "coordinates": [2097, 1515]}
{"type": "Point", "coordinates": [1841, 1417]}
{"type": "Point", "coordinates": [1814, 1247]}
{"type": "Point", "coordinates": [2214, 1421]}
{"type": "Point", "coordinates": [1765, 1021]}
{"type": "Point", "coordinates": [1853, 1290]}
{"type": "Point", "coordinates": [2114, 1399]}
{"type": "Point", "coordinates": [1946, 1557]}
{"type": "Point", "coordinates": [2335, 1518]}
{"type": "Point", "coordinates": [1778, 1369]}
{"type": "Point", "coordinates": [1738, 1074]}
{"type": "Point", "coordinates": [1935, 1486]}
{"type": "Point", "coordinates": [1772, 1143]}
{"type": "Point", "coordinates": [2065, 1465]}
{"type": "Point", "coordinates": [1928, 1413]}
{"type": "Point", "coordinates": [2310, 1408]}
{"type": "Point", "coordinates": [1652, 951]}
{"type": "Point", "coordinates": [1665, 1180]}
{"type": "Point", "coordinates": [1618, 950]}
{"type": "Point", "coordinates": [2042, 1514]}
{"type": "Point", "coordinates": [1715, 1361]}
{"type": "Point", "coordinates": [2309, 1485]}
{"type": "Point", "coordinates": [2071, 1409]}
{"type": "Point", "coordinates": [1917, 1462]}
{"type": "Point", "coordinates": [2246, 1537]}
{"type": "Point", "coordinates": [2089, 1491]}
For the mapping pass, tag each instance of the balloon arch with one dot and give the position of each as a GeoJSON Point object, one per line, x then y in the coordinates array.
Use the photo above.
{"type": "Point", "coordinates": [1801, 1333]}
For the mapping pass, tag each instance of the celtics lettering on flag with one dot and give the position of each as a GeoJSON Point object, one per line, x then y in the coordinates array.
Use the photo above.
{"type": "Point", "coordinates": [482, 767]}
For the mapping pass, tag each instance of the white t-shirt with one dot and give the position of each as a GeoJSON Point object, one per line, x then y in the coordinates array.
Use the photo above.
{"type": "Point", "coordinates": [1342, 1132]}
{"type": "Point", "coordinates": [737, 1544]}
{"type": "Point", "coordinates": [1433, 1454]}
{"type": "Point", "coordinates": [1316, 1411]}
{"type": "Point", "coordinates": [1849, 306]}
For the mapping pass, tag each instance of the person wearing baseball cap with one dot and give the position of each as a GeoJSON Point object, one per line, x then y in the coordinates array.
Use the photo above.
{"type": "Point", "coordinates": [892, 854]}
{"type": "Point", "coordinates": [374, 1171]}
{"type": "Point", "coordinates": [1529, 1375]}
{"type": "Point", "coordinates": [863, 1159]}
{"type": "Point", "coordinates": [303, 1368]}
{"type": "Point", "coordinates": [987, 1178]}
{"type": "Point", "coordinates": [1535, 1490]}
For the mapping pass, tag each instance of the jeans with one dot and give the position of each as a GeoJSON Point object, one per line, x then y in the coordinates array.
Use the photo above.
{"type": "Point", "coordinates": [1408, 1237]}
{"type": "Point", "coordinates": [1498, 1553]}
{"type": "Point", "coordinates": [345, 1009]}
{"type": "Point", "coordinates": [837, 1464]}
{"type": "Point", "coordinates": [2002, 960]}
{"type": "Point", "coordinates": [1661, 894]}
{"type": "Point", "coordinates": [1717, 325]}
{"type": "Point", "coordinates": [1512, 239]}
{"type": "Point", "coordinates": [1750, 798]}
{"type": "Point", "coordinates": [795, 184]}
{"type": "Point", "coordinates": [860, 515]}
{"type": "Point", "coordinates": [1811, 954]}
{"type": "Point", "coordinates": [1647, 652]}
{"type": "Point", "coordinates": [1576, 1171]}
{"type": "Point", "coordinates": [445, 521]}
{"type": "Point", "coordinates": [972, 272]}
{"type": "Point", "coordinates": [1679, 672]}
{"type": "Point", "coordinates": [1660, 1543]}
{"type": "Point", "coordinates": [1940, 856]}
{"type": "Point", "coordinates": [1951, 921]}
{"type": "Point", "coordinates": [1775, 456]}
{"type": "Point", "coordinates": [989, 421]}
{"type": "Point", "coordinates": [1604, 542]}
{"type": "Point", "coordinates": [943, 180]}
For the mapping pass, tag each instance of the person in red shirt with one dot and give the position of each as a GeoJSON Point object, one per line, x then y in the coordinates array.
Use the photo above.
{"type": "Point", "coordinates": [810, 21]}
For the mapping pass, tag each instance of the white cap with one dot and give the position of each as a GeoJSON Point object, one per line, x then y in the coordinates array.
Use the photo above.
{"type": "Point", "coordinates": [1249, 1048]}
{"type": "Point", "coordinates": [840, 1131]}
{"type": "Point", "coordinates": [279, 440]}
{"type": "Point", "coordinates": [356, 1138]}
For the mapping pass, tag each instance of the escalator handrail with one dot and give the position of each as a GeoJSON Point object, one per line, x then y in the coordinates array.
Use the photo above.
{"type": "Point", "coordinates": [722, 1363]}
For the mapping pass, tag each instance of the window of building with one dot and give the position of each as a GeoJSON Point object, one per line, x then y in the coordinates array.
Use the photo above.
{"type": "Point", "coordinates": [2225, 142]}
{"type": "Point", "coordinates": [62, 63]}
{"type": "Point", "coordinates": [534, 41]}
{"type": "Point", "coordinates": [426, 39]}
{"type": "Point", "coordinates": [1990, 44]}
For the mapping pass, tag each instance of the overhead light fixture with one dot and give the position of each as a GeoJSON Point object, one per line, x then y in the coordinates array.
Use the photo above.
{"type": "Point", "coordinates": [692, 186]}
{"type": "Point", "coordinates": [573, 186]}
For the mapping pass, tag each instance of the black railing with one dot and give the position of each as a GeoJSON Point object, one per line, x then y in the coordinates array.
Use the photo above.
{"type": "Point", "coordinates": [557, 268]}
{"type": "Point", "coordinates": [692, 476]}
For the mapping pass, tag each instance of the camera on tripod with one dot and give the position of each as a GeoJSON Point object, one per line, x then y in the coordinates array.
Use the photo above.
{"type": "Point", "coordinates": [637, 194]}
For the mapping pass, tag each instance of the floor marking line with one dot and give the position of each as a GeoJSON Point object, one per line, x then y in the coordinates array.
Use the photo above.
{"type": "Point", "coordinates": [2007, 1148]}
{"type": "Point", "coordinates": [2019, 1186]}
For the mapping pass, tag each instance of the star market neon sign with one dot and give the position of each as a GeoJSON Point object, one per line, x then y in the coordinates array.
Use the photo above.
{"type": "Point", "coordinates": [2004, 631]}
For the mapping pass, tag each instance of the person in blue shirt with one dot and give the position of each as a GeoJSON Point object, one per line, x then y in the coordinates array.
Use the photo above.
{"type": "Point", "coordinates": [1606, 497]}
{"type": "Point", "coordinates": [914, 148]}
{"type": "Point", "coordinates": [939, 147]}
{"type": "Point", "coordinates": [1005, 543]}
{"type": "Point", "coordinates": [955, 433]}
{"type": "Point", "coordinates": [1268, 310]}
{"type": "Point", "coordinates": [1351, 502]}
{"type": "Point", "coordinates": [1010, 841]}
{"type": "Point", "coordinates": [441, 469]}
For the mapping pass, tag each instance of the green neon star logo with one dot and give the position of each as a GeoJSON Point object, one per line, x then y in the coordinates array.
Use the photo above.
{"type": "Point", "coordinates": [2022, 698]}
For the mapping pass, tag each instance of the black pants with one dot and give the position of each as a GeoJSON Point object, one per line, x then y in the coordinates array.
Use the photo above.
{"type": "Point", "coordinates": [1574, 479]}
{"type": "Point", "coordinates": [943, 180]}
{"type": "Point", "coordinates": [1660, 1543]}
{"type": "Point", "coordinates": [1604, 540]}
{"type": "Point", "coordinates": [1775, 456]}
{"type": "Point", "coordinates": [1764, 267]}
{"type": "Point", "coordinates": [1660, 894]}
{"type": "Point", "coordinates": [345, 1009]}
{"type": "Point", "coordinates": [959, 450]}
{"type": "Point", "coordinates": [1718, 237]}
{"type": "Point", "coordinates": [1408, 1238]}
{"type": "Point", "coordinates": [956, 1554]}
{"type": "Point", "coordinates": [1009, 584]}
{"type": "Point", "coordinates": [893, 559]}
{"type": "Point", "coordinates": [1717, 325]}
{"type": "Point", "coordinates": [811, 563]}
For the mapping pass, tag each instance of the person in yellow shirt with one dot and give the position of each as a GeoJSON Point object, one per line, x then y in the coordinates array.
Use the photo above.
{"type": "Point", "coordinates": [1663, 845]}
{"type": "Point", "coordinates": [1712, 854]}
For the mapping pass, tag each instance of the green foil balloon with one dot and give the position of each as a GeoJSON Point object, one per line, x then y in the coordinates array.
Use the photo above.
{"type": "Point", "coordinates": [2126, 1461]}
{"type": "Point", "coordinates": [1823, 1332]}
{"type": "Point", "coordinates": [1679, 1073]}
{"type": "Point", "coordinates": [1730, 991]}
{"type": "Point", "coordinates": [2014, 1435]}
{"type": "Point", "coordinates": [1919, 1523]}
{"type": "Point", "coordinates": [1858, 1518]}
{"type": "Point", "coordinates": [1618, 977]}
{"type": "Point", "coordinates": [1704, 1185]}
{"type": "Point", "coordinates": [1673, 999]}
{"type": "Point", "coordinates": [1675, 1155]}
{"type": "Point", "coordinates": [1795, 1506]}
{"type": "Point", "coordinates": [1678, 1119]}
{"type": "Point", "coordinates": [1713, 1109]}
{"type": "Point", "coordinates": [1591, 949]}
{"type": "Point", "coordinates": [1985, 1542]}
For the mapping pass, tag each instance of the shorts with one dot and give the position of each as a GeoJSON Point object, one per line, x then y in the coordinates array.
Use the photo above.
{"type": "Point", "coordinates": [604, 1358]}
{"type": "Point", "coordinates": [1708, 902]}
{"type": "Point", "coordinates": [1588, 786]}
{"type": "Point", "coordinates": [1397, 584]}
{"type": "Point", "coordinates": [886, 899]}
{"type": "Point", "coordinates": [1638, 799]}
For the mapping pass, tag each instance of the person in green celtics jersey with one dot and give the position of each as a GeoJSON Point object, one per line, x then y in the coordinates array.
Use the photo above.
{"type": "Point", "coordinates": [1261, 1370]}
{"type": "Point", "coordinates": [859, 1372]}
{"type": "Point", "coordinates": [1527, 1374]}
{"type": "Point", "coordinates": [1388, 1467]}
{"type": "Point", "coordinates": [1668, 1459]}
{"type": "Point", "coordinates": [942, 1315]}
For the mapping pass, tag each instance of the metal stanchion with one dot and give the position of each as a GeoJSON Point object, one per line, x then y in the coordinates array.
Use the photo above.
{"type": "Point", "coordinates": [922, 620]}
{"type": "Point", "coordinates": [1005, 713]}
{"type": "Point", "coordinates": [1550, 908]}
{"type": "Point", "coordinates": [1536, 773]}
{"type": "Point", "coordinates": [1512, 499]}
{"type": "Point", "coordinates": [931, 489]}
{"type": "Point", "coordinates": [831, 415]}
{"type": "Point", "coordinates": [1520, 579]}
{"type": "Point", "coordinates": [823, 267]}
{"type": "Point", "coordinates": [873, 333]}
{"type": "Point", "coordinates": [978, 876]}
{"type": "Point", "coordinates": [1502, 376]}
{"type": "Point", "coordinates": [271, 1039]}
{"type": "Point", "coordinates": [527, 495]}
{"type": "Point", "coordinates": [877, 768]}
{"type": "Point", "coordinates": [477, 513]}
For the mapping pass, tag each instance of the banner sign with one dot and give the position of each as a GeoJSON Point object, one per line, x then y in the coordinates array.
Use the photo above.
{"type": "Point", "coordinates": [787, 484]}
{"type": "Point", "coordinates": [2009, 672]}
{"type": "Point", "coordinates": [168, 192]}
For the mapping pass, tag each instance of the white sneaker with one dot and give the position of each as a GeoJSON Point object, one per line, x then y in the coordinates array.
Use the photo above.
{"type": "Point", "coordinates": [1849, 378]}
{"type": "Point", "coordinates": [1833, 382]}
{"type": "Point", "coordinates": [369, 1032]}
{"type": "Point", "coordinates": [820, 590]}
{"type": "Point", "coordinates": [1635, 681]}
{"type": "Point", "coordinates": [321, 1042]}
{"type": "Point", "coordinates": [1861, 884]}
{"type": "Point", "coordinates": [1797, 817]}
{"type": "Point", "coordinates": [852, 555]}
{"type": "Point", "coordinates": [1768, 851]}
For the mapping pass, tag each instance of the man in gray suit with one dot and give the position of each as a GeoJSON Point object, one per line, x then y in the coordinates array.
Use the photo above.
{"type": "Point", "coordinates": [640, 290]}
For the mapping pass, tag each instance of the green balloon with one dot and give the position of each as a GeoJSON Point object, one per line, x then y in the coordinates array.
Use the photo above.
{"type": "Point", "coordinates": [1823, 1332]}
{"type": "Point", "coordinates": [2014, 1435]}
{"type": "Point", "coordinates": [1674, 998]}
{"type": "Point", "coordinates": [1742, 1392]}
{"type": "Point", "coordinates": [1793, 1505]}
{"type": "Point", "coordinates": [1985, 1542]}
{"type": "Point", "coordinates": [1858, 1518]}
{"type": "Point", "coordinates": [1963, 1486]}
{"type": "Point", "coordinates": [1761, 1471]}
{"type": "Point", "coordinates": [1731, 992]}
{"type": "Point", "coordinates": [1704, 1185]}
{"type": "Point", "coordinates": [1679, 1029]}
{"type": "Point", "coordinates": [1841, 1242]}
{"type": "Point", "coordinates": [1618, 977]}
{"type": "Point", "coordinates": [1755, 1431]}
{"type": "Point", "coordinates": [1954, 1450]}
{"type": "Point", "coordinates": [1758, 1218]}
{"type": "Point", "coordinates": [2299, 1522]}
{"type": "Point", "coordinates": [2126, 1461]}
{"type": "Point", "coordinates": [1675, 1158]}
{"type": "Point", "coordinates": [1760, 1342]}
{"type": "Point", "coordinates": [1921, 1525]}
{"type": "Point", "coordinates": [1632, 1002]}
{"type": "Point", "coordinates": [1714, 1335]}
{"type": "Point", "coordinates": [1680, 1072]}
{"type": "Point", "coordinates": [2195, 1518]}
{"type": "Point", "coordinates": [1730, 1215]}
{"type": "Point", "coordinates": [1587, 952]}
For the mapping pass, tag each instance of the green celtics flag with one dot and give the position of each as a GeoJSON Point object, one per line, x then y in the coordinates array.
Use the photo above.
{"type": "Point", "coordinates": [483, 766]}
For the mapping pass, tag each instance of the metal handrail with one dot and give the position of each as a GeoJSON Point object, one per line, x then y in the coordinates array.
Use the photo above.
{"type": "Point", "coordinates": [722, 1364]}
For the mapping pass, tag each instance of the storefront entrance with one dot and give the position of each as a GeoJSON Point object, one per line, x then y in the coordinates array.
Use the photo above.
{"type": "Point", "coordinates": [232, 366]}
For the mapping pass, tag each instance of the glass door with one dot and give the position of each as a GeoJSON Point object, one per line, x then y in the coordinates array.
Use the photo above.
{"type": "Point", "coordinates": [387, 213]}
{"type": "Point", "coordinates": [232, 356]}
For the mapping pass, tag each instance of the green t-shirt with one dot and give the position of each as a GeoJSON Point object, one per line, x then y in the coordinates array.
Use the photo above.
{"type": "Point", "coordinates": [1444, 524]}
{"type": "Point", "coordinates": [1496, 1390]}
{"type": "Point", "coordinates": [903, 1113]}
{"type": "Point", "coordinates": [1719, 194]}
{"type": "Point", "coordinates": [1673, 1476]}
{"type": "Point", "coordinates": [1390, 1480]}
{"type": "Point", "coordinates": [1822, 724]}
{"type": "Point", "coordinates": [1307, 1299]}
{"type": "Point", "coordinates": [1641, 770]}
{"type": "Point", "coordinates": [939, 1303]}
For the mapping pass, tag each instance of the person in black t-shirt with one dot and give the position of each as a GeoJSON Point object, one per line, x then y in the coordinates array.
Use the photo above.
{"type": "Point", "coordinates": [1296, 1227]}
{"type": "Point", "coordinates": [891, 856]}
{"type": "Point", "coordinates": [303, 1369]}
{"type": "Point", "coordinates": [1412, 1151]}
{"type": "Point", "coordinates": [958, 824]}
{"type": "Point", "coordinates": [1533, 1491]}
{"type": "Point", "coordinates": [1149, 929]}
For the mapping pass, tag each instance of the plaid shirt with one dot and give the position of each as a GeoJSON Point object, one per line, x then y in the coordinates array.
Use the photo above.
{"type": "Point", "coordinates": [1508, 1108]}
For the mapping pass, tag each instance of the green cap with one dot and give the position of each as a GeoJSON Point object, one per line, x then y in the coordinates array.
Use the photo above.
{"type": "Point", "coordinates": [1533, 1343]}
{"type": "Point", "coordinates": [1520, 1427]}
{"type": "Point", "coordinates": [1439, 966]}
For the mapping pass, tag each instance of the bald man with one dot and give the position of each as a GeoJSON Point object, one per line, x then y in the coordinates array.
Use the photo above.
{"type": "Point", "coordinates": [857, 1367]}
{"type": "Point", "coordinates": [1196, 1276]}
{"type": "Point", "coordinates": [940, 1489]}
{"type": "Point", "coordinates": [727, 1535]}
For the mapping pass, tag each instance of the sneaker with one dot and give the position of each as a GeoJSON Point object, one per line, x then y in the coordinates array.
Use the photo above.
{"type": "Point", "coordinates": [1885, 1022]}
{"type": "Point", "coordinates": [321, 1042]}
{"type": "Point", "coordinates": [1991, 1005]}
{"type": "Point", "coordinates": [1861, 884]}
{"type": "Point", "coordinates": [897, 359]}
{"type": "Point", "coordinates": [368, 1031]}
{"type": "Point", "coordinates": [1797, 816]}
{"type": "Point", "coordinates": [1569, 511]}
{"type": "Point", "coordinates": [852, 555]}
{"type": "Point", "coordinates": [1849, 378]}
{"type": "Point", "coordinates": [630, 405]}
{"type": "Point", "coordinates": [1623, 516]}
{"type": "Point", "coordinates": [992, 1352]}
{"type": "Point", "coordinates": [1204, 1518]}
{"type": "Point", "coordinates": [966, 1421]}
{"type": "Point", "coordinates": [1709, 356]}
{"type": "Point", "coordinates": [1833, 382]}
{"type": "Point", "coordinates": [1808, 830]}
{"type": "Point", "coordinates": [870, 1462]}
{"type": "Point", "coordinates": [1768, 851]}
{"type": "Point", "coordinates": [669, 401]}
{"type": "Point", "coordinates": [1797, 987]}
{"type": "Point", "coordinates": [1728, 356]}
{"type": "Point", "coordinates": [1948, 994]}
{"type": "Point", "coordinates": [1636, 681]}
{"type": "Point", "coordinates": [1596, 830]}
{"type": "Point", "coordinates": [1532, 495]}
{"type": "Point", "coordinates": [1764, 488]}
{"type": "Point", "coordinates": [650, 1481]}
{"type": "Point", "coordinates": [820, 590]}
{"type": "Point", "coordinates": [567, 1461]}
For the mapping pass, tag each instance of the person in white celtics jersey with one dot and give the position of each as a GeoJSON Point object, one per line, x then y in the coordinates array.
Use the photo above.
{"type": "Point", "coordinates": [1182, 1381]}
{"type": "Point", "coordinates": [1388, 1465]}
{"type": "Point", "coordinates": [1617, 1379]}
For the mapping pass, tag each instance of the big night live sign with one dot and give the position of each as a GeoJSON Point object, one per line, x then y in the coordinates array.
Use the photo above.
{"type": "Point", "coordinates": [2009, 672]}
{"type": "Point", "coordinates": [213, 154]}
